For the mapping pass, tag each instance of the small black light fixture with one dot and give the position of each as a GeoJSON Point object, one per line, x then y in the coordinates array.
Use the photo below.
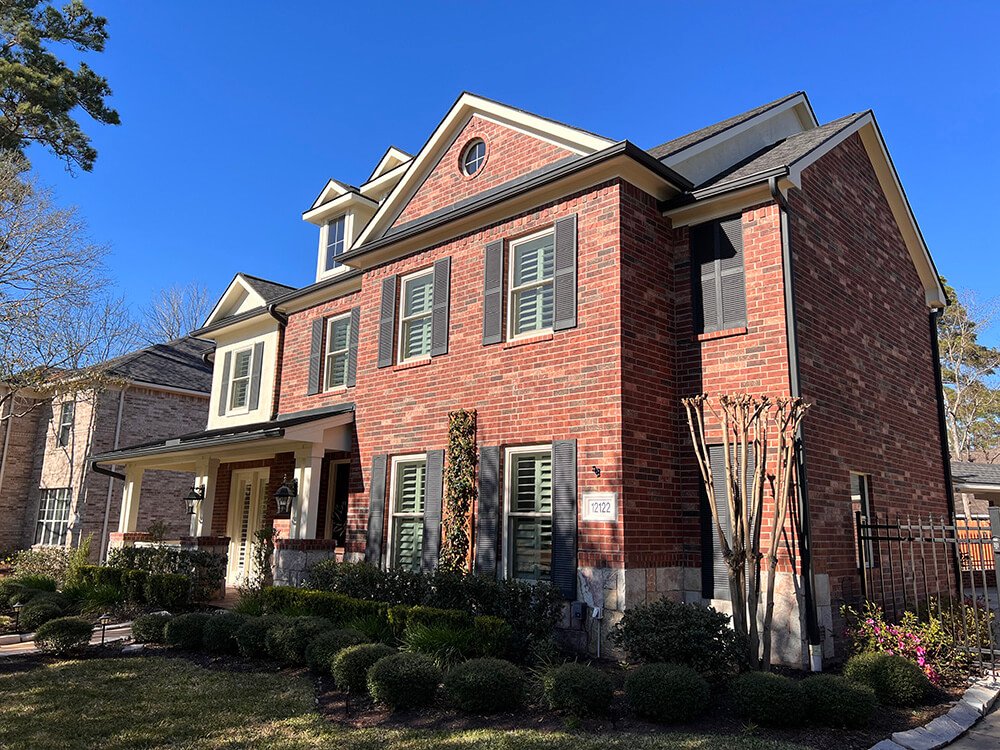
{"type": "Point", "coordinates": [596, 470]}
{"type": "Point", "coordinates": [195, 496]}
{"type": "Point", "coordinates": [105, 620]}
{"type": "Point", "coordinates": [17, 616]}
{"type": "Point", "coordinates": [287, 492]}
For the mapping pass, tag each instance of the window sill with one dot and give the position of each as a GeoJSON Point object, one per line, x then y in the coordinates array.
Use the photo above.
{"type": "Point", "coordinates": [528, 340]}
{"type": "Point", "coordinates": [412, 363]}
{"type": "Point", "coordinates": [336, 389]}
{"type": "Point", "coordinates": [740, 331]}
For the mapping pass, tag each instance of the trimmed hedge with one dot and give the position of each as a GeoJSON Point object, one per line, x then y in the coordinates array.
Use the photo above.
{"type": "Point", "coordinates": [339, 609]}
{"type": "Point", "coordinates": [287, 641]}
{"type": "Point", "coordinates": [63, 635]}
{"type": "Point", "coordinates": [133, 585]}
{"type": "Point", "coordinates": [219, 636]}
{"type": "Point", "coordinates": [326, 645]}
{"type": "Point", "coordinates": [34, 615]}
{"type": "Point", "coordinates": [402, 617]}
{"type": "Point", "coordinates": [251, 638]}
{"type": "Point", "coordinates": [150, 628]}
{"type": "Point", "coordinates": [186, 631]}
{"type": "Point", "coordinates": [404, 681]}
{"type": "Point", "coordinates": [351, 665]}
{"type": "Point", "coordinates": [768, 699]}
{"type": "Point", "coordinates": [897, 681]}
{"type": "Point", "coordinates": [578, 689]}
{"type": "Point", "coordinates": [167, 590]}
{"type": "Point", "coordinates": [485, 686]}
{"type": "Point", "coordinates": [833, 701]}
{"type": "Point", "coordinates": [667, 693]}
{"type": "Point", "coordinates": [205, 570]}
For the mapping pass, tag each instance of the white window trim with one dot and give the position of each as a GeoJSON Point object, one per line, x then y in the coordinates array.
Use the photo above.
{"type": "Point", "coordinates": [245, 409]}
{"type": "Point", "coordinates": [465, 157]}
{"type": "Point", "coordinates": [400, 345]}
{"type": "Point", "coordinates": [508, 484]}
{"type": "Point", "coordinates": [328, 352]}
{"type": "Point", "coordinates": [63, 423]}
{"type": "Point", "coordinates": [511, 290]}
{"type": "Point", "coordinates": [321, 270]}
{"type": "Point", "coordinates": [396, 460]}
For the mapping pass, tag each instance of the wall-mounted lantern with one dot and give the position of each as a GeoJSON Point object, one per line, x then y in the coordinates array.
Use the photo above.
{"type": "Point", "coordinates": [195, 496]}
{"type": "Point", "coordinates": [287, 492]}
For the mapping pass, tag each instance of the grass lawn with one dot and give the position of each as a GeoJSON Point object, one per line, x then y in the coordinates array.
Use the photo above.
{"type": "Point", "coordinates": [154, 702]}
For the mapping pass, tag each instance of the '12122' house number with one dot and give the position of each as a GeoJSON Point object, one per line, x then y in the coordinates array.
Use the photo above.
{"type": "Point", "coordinates": [600, 506]}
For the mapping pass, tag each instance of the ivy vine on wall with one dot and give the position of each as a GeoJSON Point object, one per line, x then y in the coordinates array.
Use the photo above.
{"type": "Point", "coordinates": [460, 489]}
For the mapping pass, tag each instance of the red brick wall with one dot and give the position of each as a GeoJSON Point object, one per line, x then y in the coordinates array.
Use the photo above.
{"type": "Point", "coordinates": [283, 464]}
{"type": "Point", "coordinates": [865, 358]}
{"type": "Point", "coordinates": [509, 154]}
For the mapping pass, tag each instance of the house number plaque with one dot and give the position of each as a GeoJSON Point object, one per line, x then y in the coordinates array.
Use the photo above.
{"type": "Point", "coordinates": [600, 506]}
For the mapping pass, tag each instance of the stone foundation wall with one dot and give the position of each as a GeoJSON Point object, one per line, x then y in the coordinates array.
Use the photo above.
{"type": "Point", "coordinates": [294, 557]}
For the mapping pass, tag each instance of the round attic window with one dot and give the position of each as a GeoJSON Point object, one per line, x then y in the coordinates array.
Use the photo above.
{"type": "Point", "coordinates": [473, 156]}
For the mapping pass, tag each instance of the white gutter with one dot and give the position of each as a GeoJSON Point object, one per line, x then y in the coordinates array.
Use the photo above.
{"type": "Point", "coordinates": [111, 481]}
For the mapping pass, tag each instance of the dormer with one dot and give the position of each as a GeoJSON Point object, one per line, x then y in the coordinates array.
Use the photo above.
{"type": "Point", "coordinates": [340, 211]}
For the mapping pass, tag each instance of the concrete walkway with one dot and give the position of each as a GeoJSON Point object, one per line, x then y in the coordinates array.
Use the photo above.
{"type": "Point", "coordinates": [114, 632]}
{"type": "Point", "coordinates": [984, 735]}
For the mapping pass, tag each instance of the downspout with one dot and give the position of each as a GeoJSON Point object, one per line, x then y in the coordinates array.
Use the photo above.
{"type": "Point", "coordinates": [802, 485]}
{"type": "Point", "coordinates": [282, 319]}
{"type": "Point", "coordinates": [113, 475]}
{"type": "Point", "coordinates": [949, 489]}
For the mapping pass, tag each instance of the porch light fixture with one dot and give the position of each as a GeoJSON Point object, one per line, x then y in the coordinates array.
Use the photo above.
{"type": "Point", "coordinates": [287, 492]}
{"type": "Point", "coordinates": [195, 496]}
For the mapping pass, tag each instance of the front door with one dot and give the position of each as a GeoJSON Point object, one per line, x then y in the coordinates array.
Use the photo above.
{"type": "Point", "coordinates": [246, 515]}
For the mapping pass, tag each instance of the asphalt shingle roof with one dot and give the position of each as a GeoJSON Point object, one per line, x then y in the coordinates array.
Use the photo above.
{"type": "Point", "coordinates": [964, 472]}
{"type": "Point", "coordinates": [175, 364]}
{"type": "Point", "coordinates": [269, 290]}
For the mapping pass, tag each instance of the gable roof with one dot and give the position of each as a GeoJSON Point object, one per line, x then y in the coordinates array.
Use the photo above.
{"type": "Point", "coordinates": [245, 297]}
{"type": "Point", "coordinates": [174, 364]}
{"type": "Point", "coordinates": [269, 290]}
{"type": "Point", "coordinates": [392, 158]}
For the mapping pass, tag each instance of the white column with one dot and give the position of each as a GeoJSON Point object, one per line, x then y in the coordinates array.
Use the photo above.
{"type": "Point", "coordinates": [129, 519]}
{"type": "Point", "coordinates": [308, 468]}
{"type": "Point", "coordinates": [206, 470]}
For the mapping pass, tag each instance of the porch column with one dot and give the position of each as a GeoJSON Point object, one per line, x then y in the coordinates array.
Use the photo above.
{"type": "Point", "coordinates": [308, 468]}
{"type": "Point", "coordinates": [206, 470]}
{"type": "Point", "coordinates": [129, 518]}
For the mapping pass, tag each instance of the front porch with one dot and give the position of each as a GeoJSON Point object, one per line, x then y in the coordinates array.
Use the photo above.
{"type": "Point", "coordinates": [238, 473]}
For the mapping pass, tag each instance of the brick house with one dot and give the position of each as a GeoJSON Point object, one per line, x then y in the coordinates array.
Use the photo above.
{"type": "Point", "coordinates": [572, 289]}
{"type": "Point", "coordinates": [49, 492]}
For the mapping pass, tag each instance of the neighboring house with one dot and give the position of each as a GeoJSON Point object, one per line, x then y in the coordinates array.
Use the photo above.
{"type": "Point", "coordinates": [572, 289]}
{"type": "Point", "coordinates": [978, 485]}
{"type": "Point", "coordinates": [49, 494]}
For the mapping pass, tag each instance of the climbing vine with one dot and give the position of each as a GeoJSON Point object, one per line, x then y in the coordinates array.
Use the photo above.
{"type": "Point", "coordinates": [460, 484]}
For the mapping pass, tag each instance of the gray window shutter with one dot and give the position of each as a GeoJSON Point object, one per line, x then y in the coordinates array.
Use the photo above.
{"type": "Point", "coordinates": [352, 352]}
{"type": "Point", "coordinates": [256, 366]}
{"type": "Point", "coordinates": [376, 510]}
{"type": "Point", "coordinates": [718, 274]}
{"type": "Point", "coordinates": [433, 490]}
{"type": "Point", "coordinates": [227, 363]}
{"type": "Point", "coordinates": [316, 357]}
{"type": "Point", "coordinates": [564, 517]}
{"type": "Point", "coordinates": [488, 510]}
{"type": "Point", "coordinates": [493, 294]}
{"type": "Point", "coordinates": [439, 319]}
{"type": "Point", "coordinates": [387, 321]}
{"type": "Point", "coordinates": [564, 280]}
{"type": "Point", "coordinates": [732, 287]}
{"type": "Point", "coordinates": [714, 571]}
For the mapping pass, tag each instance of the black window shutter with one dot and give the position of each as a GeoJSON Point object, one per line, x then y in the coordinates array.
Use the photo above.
{"type": "Point", "coordinates": [493, 294]}
{"type": "Point", "coordinates": [488, 510]}
{"type": "Point", "coordinates": [256, 366]}
{"type": "Point", "coordinates": [387, 321]}
{"type": "Point", "coordinates": [714, 571]}
{"type": "Point", "coordinates": [376, 510]}
{"type": "Point", "coordinates": [564, 281]}
{"type": "Point", "coordinates": [564, 517]}
{"type": "Point", "coordinates": [352, 352]}
{"type": "Point", "coordinates": [439, 319]}
{"type": "Point", "coordinates": [227, 363]}
{"type": "Point", "coordinates": [316, 357]}
{"type": "Point", "coordinates": [732, 287]}
{"type": "Point", "coordinates": [433, 490]}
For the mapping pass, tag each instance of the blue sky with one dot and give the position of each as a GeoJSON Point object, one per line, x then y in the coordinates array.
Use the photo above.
{"type": "Point", "coordinates": [235, 114]}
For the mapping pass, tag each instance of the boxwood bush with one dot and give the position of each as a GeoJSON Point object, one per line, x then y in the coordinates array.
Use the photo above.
{"type": "Point", "coordinates": [287, 641]}
{"type": "Point", "coordinates": [485, 686]}
{"type": "Point", "coordinates": [578, 689]}
{"type": "Point", "coordinates": [351, 665]}
{"type": "Point", "coordinates": [170, 591]}
{"type": "Point", "coordinates": [251, 638]}
{"type": "Point", "coordinates": [896, 681]}
{"type": "Point", "coordinates": [326, 645]}
{"type": "Point", "coordinates": [36, 614]}
{"type": "Point", "coordinates": [339, 609]}
{"type": "Point", "coordinates": [666, 693]}
{"type": "Point", "coordinates": [833, 701]}
{"type": "Point", "coordinates": [219, 636]}
{"type": "Point", "coordinates": [186, 631]}
{"type": "Point", "coordinates": [63, 635]}
{"type": "Point", "coordinates": [404, 681]}
{"type": "Point", "coordinates": [768, 699]}
{"type": "Point", "coordinates": [205, 570]}
{"type": "Point", "coordinates": [150, 628]}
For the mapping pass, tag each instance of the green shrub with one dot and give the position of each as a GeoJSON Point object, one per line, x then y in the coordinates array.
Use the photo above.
{"type": "Point", "coordinates": [833, 701]}
{"type": "Point", "coordinates": [493, 636]}
{"type": "Point", "coordinates": [287, 642]}
{"type": "Point", "coordinates": [251, 638]}
{"type": "Point", "coordinates": [186, 631]}
{"type": "Point", "coordinates": [37, 582]}
{"type": "Point", "coordinates": [133, 585]}
{"type": "Point", "coordinates": [250, 603]}
{"type": "Point", "coordinates": [666, 693]}
{"type": "Point", "coordinates": [485, 686]}
{"type": "Point", "coordinates": [168, 591]}
{"type": "Point", "coordinates": [35, 615]}
{"type": "Point", "coordinates": [22, 595]}
{"type": "Point", "coordinates": [896, 681]}
{"type": "Point", "coordinates": [375, 627]}
{"type": "Point", "coordinates": [96, 599]}
{"type": "Point", "coordinates": [339, 609]}
{"type": "Point", "coordinates": [351, 665]}
{"type": "Point", "coordinates": [49, 597]}
{"type": "Point", "coordinates": [445, 645]}
{"type": "Point", "coordinates": [205, 570]}
{"type": "Point", "coordinates": [63, 635]}
{"type": "Point", "coordinates": [220, 632]}
{"type": "Point", "coordinates": [150, 628]}
{"type": "Point", "coordinates": [768, 699]}
{"type": "Point", "coordinates": [401, 617]}
{"type": "Point", "coordinates": [98, 575]}
{"type": "Point", "coordinates": [326, 645]}
{"type": "Point", "coordinates": [689, 634]}
{"type": "Point", "coordinates": [404, 681]}
{"type": "Point", "coordinates": [50, 562]}
{"type": "Point", "coordinates": [578, 689]}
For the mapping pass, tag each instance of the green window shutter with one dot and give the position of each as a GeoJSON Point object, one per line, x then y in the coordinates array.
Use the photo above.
{"type": "Point", "coordinates": [227, 363]}
{"type": "Point", "coordinates": [565, 279]}
{"type": "Point", "coordinates": [564, 517]}
{"type": "Point", "coordinates": [488, 510]}
{"type": "Point", "coordinates": [387, 321]}
{"type": "Point", "coordinates": [376, 510]}
{"type": "Point", "coordinates": [352, 352]}
{"type": "Point", "coordinates": [439, 322]}
{"type": "Point", "coordinates": [316, 357]}
{"type": "Point", "coordinates": [493, 294]}
{"type": "Point", "coordinates": [434, 489]}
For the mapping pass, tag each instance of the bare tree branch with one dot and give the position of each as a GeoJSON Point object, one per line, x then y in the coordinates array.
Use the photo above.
{"type": "Point", "coordinates": [175, 312]}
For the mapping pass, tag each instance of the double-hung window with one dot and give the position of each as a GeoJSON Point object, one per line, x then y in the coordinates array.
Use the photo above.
{"type": "Point", "coordinates": [66, 415]}
{"type": "Point", "coordinates": [336, 241]}
{"type": "Point", "coordinates": [338, 346]}
{"type": "Point", "coordinates": [53, 517]}
{"type": "Point", "coordinates": [406, 522]}
{"type": "Point", "coordinates": [531, 307]}
{"type": "Point", "coordinates": [415, 321]}
{"type": "Point", "coordinates": [529, 513]}
{"type": "Point", "coordinates": [239, 380]}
